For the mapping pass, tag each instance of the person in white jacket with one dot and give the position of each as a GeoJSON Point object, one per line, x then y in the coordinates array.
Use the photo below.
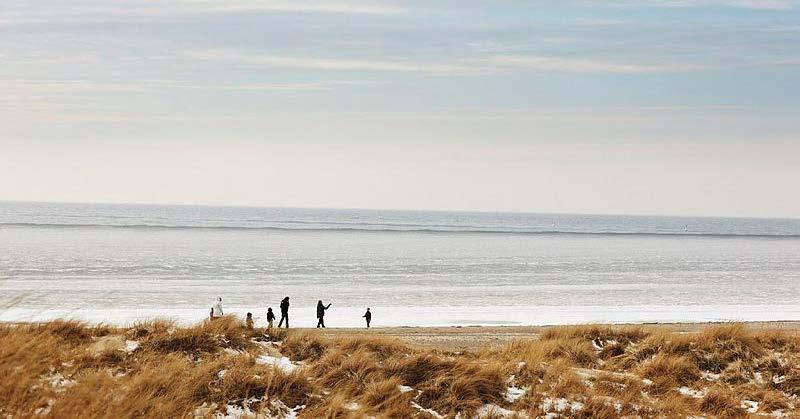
{"type": "Point", "coordinates": [216, 309]}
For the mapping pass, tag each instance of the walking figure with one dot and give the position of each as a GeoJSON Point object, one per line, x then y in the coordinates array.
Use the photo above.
{"type": "Point", "coordinates": [368, 317]}
{"type": "Point", "coordinates": [284, 312]}
{"type": "Point", "coordinates": [321, 313]}
{"type": "Point", "coordinates": [249, 321]}
{"type": "Point", "coordinates": [271, 318]}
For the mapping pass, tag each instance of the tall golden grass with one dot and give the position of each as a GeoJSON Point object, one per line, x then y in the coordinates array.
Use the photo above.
{"type": "Point", "coordinates": [67, 369]}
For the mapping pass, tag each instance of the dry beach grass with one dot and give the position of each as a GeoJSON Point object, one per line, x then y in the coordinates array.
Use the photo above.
{"type": "Point", "coordinates": [219, 368]}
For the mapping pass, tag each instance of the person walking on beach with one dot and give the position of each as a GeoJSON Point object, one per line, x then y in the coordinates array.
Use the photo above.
{"type": "Point", "coordinates": [284, 312]}
{"type": "Point", "coordinates": [271, 318]}
{"type": "Point", "coordinates": [368, 317]}
{"type": "Point", "coordinates": [321, 313]}
{"type": "Point", "coordinates": [216, 309]}
{"type": "Point", "coordinates": [249, 321]}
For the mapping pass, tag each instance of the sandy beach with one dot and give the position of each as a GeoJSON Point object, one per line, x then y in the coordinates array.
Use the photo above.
{"type": "Point", "coordinates": [472, 338]}
{"type": "Point", "coordinates": [468, 338]}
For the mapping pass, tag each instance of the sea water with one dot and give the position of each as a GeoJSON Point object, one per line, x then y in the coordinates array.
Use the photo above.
{"type": "Point", "coordinates": [124, 263]}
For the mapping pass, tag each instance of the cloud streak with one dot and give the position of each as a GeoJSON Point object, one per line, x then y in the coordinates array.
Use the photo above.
{"type": "Point", "coordinates": [138, 10]}
{"type": "Point", "coordinates": [475, 66]}
{"type": "Point", "coordinates": [743, 4]}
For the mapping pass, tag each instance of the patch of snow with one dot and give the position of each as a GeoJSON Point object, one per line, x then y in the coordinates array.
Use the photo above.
{"type": "Point", "coordinates": [221, 374]}
{"type": "Point", "coordinates": [352, 406]}
{"type": "Point", "coordinates": [710, 376]}
{"type": "Point", "coordinates": [283, 363]}
{"type": "Point", "coordinates": [131, 345]}
{"type": "Point", "coordinates": [758, 378]}
{"type": "Point", "coordinates": [46, 409]}
{"type": "Point", "coordinates": [405, 389]}
{"type": "Point", "coordinates": [597, 347]}
{"type": "Point", "coordinates": [235, 412]}
{"type": "Point", "coordinates": [647, 382]}
{"type": "Point", "coordinates": [521, 364]}
{"type": "Point", "coordinates": [750, 406]}
{"type": "Point", "coordinates": [58, 381]}
{"type": "Point", "coordinates": [697, 394]}
{"type": "Point", "coordinates": [284, 412]}
{"type": "Point", "coordinates": [514, 393]}
{"type": "Point", "coordinates": [233, 351]}
{"type": "Point", "coordinates": [204, 410]}
{"type": "Point", "coordinates": [260, 343]}
{"type": "Point", "coordinates": [778, 379]}
{"type": "Point", "coordinates": [428, 411]}
{"type": "Point", "coordinates": [778, 413]}
{"type": "Point", "coordinates": [560, 405]}
{"type": "Point", "coordinates": [494, 411]}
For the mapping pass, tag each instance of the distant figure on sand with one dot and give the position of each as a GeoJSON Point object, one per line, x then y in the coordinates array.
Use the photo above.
{"type": "Point", "coordinates": [271, 318]}
{"type": "Point", "coordinates": [216, 309]}
{"type": "Point", "coordinates": [284, 312]}
{"type": "Point", "coordinates": [249, 321]}
{"type": "Point", "coordinates": [368, 317]}
{"type": "Point", "coordinates": [321, 313]}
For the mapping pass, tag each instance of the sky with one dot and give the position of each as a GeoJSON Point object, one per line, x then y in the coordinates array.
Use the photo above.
{"type": "Point", "coordinates": [682, 107]}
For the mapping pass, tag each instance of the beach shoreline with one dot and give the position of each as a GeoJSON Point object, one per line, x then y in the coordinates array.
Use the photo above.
{"type": "Point", "coordinates": [427, 316]}
{"type": "Point", "coordinates": [466, 338]}
{"type": "Point", "coordinates": [476, 337]}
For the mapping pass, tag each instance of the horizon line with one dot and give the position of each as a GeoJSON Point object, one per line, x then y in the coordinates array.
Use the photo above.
{"type": "Point", "coordinates": [463, 211]}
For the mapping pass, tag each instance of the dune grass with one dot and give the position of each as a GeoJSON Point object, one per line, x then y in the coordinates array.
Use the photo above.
{"type": "Point", "coordinates": [218, 368]}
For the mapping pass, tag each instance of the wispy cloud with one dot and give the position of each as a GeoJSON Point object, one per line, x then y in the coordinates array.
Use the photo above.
{"type": "Point", "coordinates": [257, 59]}
{"type": "Point", "coordinates": [32, 90]}
{"type": "Point", "coordinates": [744, 4]}
{"type": "Point", "coordinates": [583, 65]}
{"type": "Point", "coordinates": [369, 7]}
{"type": "Point", "coordinates": [89, 11]}
{"type": "Point", "coordinates": [473, 65]}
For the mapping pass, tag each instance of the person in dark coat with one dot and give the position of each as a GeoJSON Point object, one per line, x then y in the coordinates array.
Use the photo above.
{"type": "Point", "coordinates": [284, 312]}
{"type": "Point", "coordinates": [270, 318]}
{"type": "Point", "coordinates": [368, 317]}
{"type": "Point", "coordinates": [321, 313]}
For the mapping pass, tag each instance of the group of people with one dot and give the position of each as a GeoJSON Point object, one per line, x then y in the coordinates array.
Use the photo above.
{"type": "Point", "coordinates": [216, 311]}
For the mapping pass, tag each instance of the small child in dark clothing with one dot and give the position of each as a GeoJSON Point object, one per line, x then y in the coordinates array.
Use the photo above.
{"type": "Point", "coordinates": [270, 318]}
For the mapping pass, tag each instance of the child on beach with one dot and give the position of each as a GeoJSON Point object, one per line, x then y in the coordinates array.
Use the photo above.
{"type": "Point", "coordinates": [270, 318]}
{"type": "Point", "coordinates": [216, 309]}
{"type": "Point", "coordinates": [249, 321]}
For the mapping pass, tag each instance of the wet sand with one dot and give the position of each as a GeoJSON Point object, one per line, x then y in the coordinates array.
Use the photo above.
{"type": "Point", "coordinates": [466, 338]}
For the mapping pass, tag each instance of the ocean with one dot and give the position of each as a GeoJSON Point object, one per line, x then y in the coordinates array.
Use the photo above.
{"type": "Point", "coordinates": [126, 263]}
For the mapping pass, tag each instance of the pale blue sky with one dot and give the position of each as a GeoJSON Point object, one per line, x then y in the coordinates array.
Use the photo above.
{"type": "Point", "coordinates": [678, 107]}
